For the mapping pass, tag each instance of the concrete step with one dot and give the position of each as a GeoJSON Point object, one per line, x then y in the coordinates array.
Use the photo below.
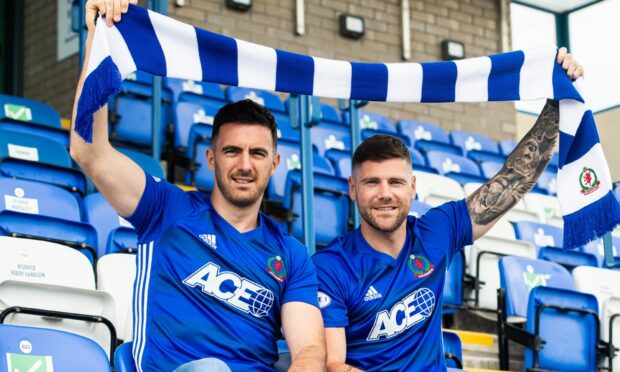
{"type": "Point", "coordinates": [480, 352]}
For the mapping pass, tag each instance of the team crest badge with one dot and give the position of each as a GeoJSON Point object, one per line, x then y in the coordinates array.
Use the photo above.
{"type": "Point", "coordinates": [588, 181]}
{"type": "Point", "coordinates": [420, 266]}
{"type": "Point", "coordinates": [276, 268]}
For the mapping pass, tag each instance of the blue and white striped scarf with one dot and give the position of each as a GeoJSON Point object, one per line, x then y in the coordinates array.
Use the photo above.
{"type": "Point", "coordinates": [150, 42]}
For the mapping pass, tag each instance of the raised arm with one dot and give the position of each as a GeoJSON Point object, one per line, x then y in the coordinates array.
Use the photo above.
{"type": "Point", "coordinates": [303, 329]}
{"type": "Point", "coordinates": [524, 165]}
{"type": "Point", "coordinates": [116, 176]}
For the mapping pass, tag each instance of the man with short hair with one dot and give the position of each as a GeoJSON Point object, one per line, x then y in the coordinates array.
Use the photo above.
{"type": "Point", "coordinates": [215, 279]}
{"type": "Point", "coordinates": [381, 286]}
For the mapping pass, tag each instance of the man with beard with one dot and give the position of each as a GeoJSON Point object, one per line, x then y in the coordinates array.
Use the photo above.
{"type": "Point", "coordinates": [380, 287]}
{"type": "Point", "coordinates": [216, 280]}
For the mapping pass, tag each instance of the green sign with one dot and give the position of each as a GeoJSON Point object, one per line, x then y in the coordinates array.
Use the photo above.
{"type": "Point", "coordinates": [17, 112]}
{"type": "Point", "coordinates": [29, 363]}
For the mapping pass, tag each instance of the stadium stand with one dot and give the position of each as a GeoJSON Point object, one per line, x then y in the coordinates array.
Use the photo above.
{"type": "Point", "coordinates": [427, 137]}
{"type": "Point", "coordinates": [31, 117]}
{"type": "Point", "coordinates": [434, 189]}
{"type": "Point", "coordinates": [99, 213]}
{"type": "Point", "coordinates": [554, 312]}
{"type": "Point", "coordinates": [476, 146]}
{"type": "Point", "coordinates": [49, 350]}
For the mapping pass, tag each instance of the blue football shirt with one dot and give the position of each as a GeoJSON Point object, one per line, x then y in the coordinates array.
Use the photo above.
{"type": "Point", "coordinates": [203, 289]}
{"type": "Point", "coordinates": [391, 308]}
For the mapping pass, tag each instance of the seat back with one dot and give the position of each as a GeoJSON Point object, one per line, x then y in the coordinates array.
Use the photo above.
{"type": "Point", "coordinates": [331, 205]}
{"type": "Point", "coordinates": [123, 359]}
{"type": "Point", "coordinates": [434, 189]}
{"type": "Point", "coordinates": [62, 299]}
{"type": "Point", "coordinates": [146, 162]}
{"type": "Point", "coordinates": [519, 275]}
{"type": "Point", "coordinates": [116, 274]}
{"type": "Point", "coordinates": [506, 146]}
{"type": "Point", "coordinates": [37, 261]}
{"type": "Point", "coordinates": [484, 256]}
{"type": "Point", "coordinates": [373, 121]}
{"type": "Point", "coordinates": [194, 91]}
{"type": "Point", "coordinates": [270, 100]}
{"type": "Point", "coordinates": [570, 337]}
{"type": "Point", "coordinates": [37, 198]}
{"type": "Point", "coordinates": [597, 248]}
{"type": "Point", "coordinates": [610, 325]}
{"type": "Point", "coordinates": [450, 163]}
{"type": "Point", "coordinates": [33, 148]}
{"type": "Point", "coordinates": [452, 344]}
{"type": "Point", "coordinates": [490, 168]}
{"type": "Point", "coordinates": [38, 349]}
{"type": "Point", "coordinates": [327, 135]}
{"type": "Point", "coordinates": [186, 114]}
{"type": "Point", "coordinates": [453, 286]}
{"type": "Point", "coordinates": [330, 114]}
{"type": "Point", "coordinates": [602, 283]}
{"type": "Point", "coordinates": [548, 182]}
{"type": "Point", "coordinates": [99, 213]}
{"type": "Point", "coordinates": [24, 110]}
{"type": "Point", "coordinates": [569, 259]}
{"type": "Point", "coordinates": [469, 141]}
{"type": "Point", "coordinates": [539, 234]}
{"type": "Point", "coordinates": [419, 131]}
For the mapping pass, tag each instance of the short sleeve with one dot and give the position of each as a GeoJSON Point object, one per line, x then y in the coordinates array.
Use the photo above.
{"type": "Point", "coordinates": [448, 225]}
{"type": "Point", "coordinates": [301, 283]}
{"type": "Point", "coordinates": [161, 204]}
{"type": "Point", "coordinates": [332, 294]}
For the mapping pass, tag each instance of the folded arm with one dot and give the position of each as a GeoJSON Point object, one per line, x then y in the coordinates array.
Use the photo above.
{"type": "Point", "coordinates": [303, 329]}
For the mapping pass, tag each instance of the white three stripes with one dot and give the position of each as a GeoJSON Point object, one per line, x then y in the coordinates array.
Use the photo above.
{"type": "Point", "coordinates": [141, 295]}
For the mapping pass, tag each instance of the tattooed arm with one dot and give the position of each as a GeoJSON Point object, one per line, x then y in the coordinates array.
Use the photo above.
{"type": "Point", "coordinates": [518, 175]}
{"type": "Point", "coordinates": [524, 165]}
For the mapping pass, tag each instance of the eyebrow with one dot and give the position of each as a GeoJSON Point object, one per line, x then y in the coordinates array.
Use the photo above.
{"type": "Point", "coordinates": [233, 147]}
{"type": "Point", "coordinates": [391, 179]}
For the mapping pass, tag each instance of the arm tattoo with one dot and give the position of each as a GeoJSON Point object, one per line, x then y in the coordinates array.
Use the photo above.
{"type": "Point", "coordinates": [520, 172]}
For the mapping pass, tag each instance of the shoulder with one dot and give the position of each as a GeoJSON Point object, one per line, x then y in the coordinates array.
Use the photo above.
{"type": "Point", "coordinates": [436, 217]}
{"type": "Point", "coordinates": [336, 256]}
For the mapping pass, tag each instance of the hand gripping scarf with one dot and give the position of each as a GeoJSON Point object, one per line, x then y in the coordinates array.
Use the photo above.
{"type": "Point", "coordinates": [150, 42]}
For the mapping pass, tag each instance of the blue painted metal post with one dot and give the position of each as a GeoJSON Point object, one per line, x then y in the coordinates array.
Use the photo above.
{"type": "Point", "coordinates": [356, 138]}
{"type": "Point", "coordinates": [309, 110]}
{"type": "Point", "coordinates": [79, 25]}
{"type": "Point", "coordinates": [160, 7]}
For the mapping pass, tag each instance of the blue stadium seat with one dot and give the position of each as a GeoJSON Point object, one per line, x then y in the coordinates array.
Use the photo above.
{"type": "Point", "coordinates": [539, 234]}
{"type": "Point", "coordinates": [200, 175]}
{"type": "Point", "coordinates": [284, 357]}
{"type": "Point", "coordinates": [140, 83]}
{"type": "Point", "coordinates": [36, 158]}
{"type": "Point", "coordinates": [199, 92]}
{"type": "Point", "coordinates": [270, 100]}
{"type": "Point", "coordinates": [99, 213]}
{"type": "Point", "coordinates": [31, 117]}
{"type": "Point", "coordinates": [38, 349]}
{"type": "Point", "coordinates": [186, 115]}
{"type": "Point", "coordinates": [555, 314]}
{"type": "Point", "coordinates": [427, 137]}
{"type": "Point", "coordinates": [372, 120]}
{"type": "Point", "coordinates": [123, 360]}
{"type": "Point", "coordinates": [285, 131]}
{"type": "Point", "coordinates": [548, 239]}
{"type": "Point", "coordinates": [554, 163]}
{"type": "Point", "coordinates": [327, 135]}
{"type": "Point", "coordinates": [146, 162]}
{"type": "Point", "coordinates": [290, 159]}
{"type": "Point", "coordinates": [330, 114]}
{"type": "Point", "coordinates": [131, 119]}
{"type": "Point", "coordinates": [331, 206]}
{"type": "Point", "coordinates": [506, 146]}
{"type": "Point", "coordinates": [418, 208]}
{"type": "Point", "coordinates": [476, 146]}
{"type": "Point", "coordinates": [198, 133]}
{"type": "Point", "coordinates": [367, 133]}
{"type": "Point", "coordinates": [38, 198]}
{"type": "Point", "coordinates": [459, 168]}
{"type": "Point", "coordinates": [341, 161]}
{"type": "Point", "coordinates": [568, 259]}
{"type": "Point", "coordinates": [453, 349]}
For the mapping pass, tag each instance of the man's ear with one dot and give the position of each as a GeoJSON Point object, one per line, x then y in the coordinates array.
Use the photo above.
{"type": "Point", "coordinates": [211, 158]}
{"type": "Point", "coordinates": [352, 194]}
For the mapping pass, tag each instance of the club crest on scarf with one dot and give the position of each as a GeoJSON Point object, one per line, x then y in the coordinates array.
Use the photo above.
{"type": "Point", "coordinates": [420, 266]}
{"type": "Point", "coordinates": [588, 181]}
{"type": "Point", "coordinates": [276, 268]}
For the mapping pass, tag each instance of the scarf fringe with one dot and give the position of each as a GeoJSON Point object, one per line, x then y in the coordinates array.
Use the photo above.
{"type": "Point", "coordinates": [591, 222]}
{"type": "Point", "coordinates": [100, 84]}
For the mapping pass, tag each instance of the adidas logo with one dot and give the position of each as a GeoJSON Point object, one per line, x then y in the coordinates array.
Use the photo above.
{"type": "Point", "coordinates": [372, 294]}
{"type": "Point", "coordinates": [209, 239]}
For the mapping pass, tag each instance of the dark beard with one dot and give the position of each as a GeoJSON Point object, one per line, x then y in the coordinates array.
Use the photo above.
{"type": "Point", "coordinates": [367, 216]}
